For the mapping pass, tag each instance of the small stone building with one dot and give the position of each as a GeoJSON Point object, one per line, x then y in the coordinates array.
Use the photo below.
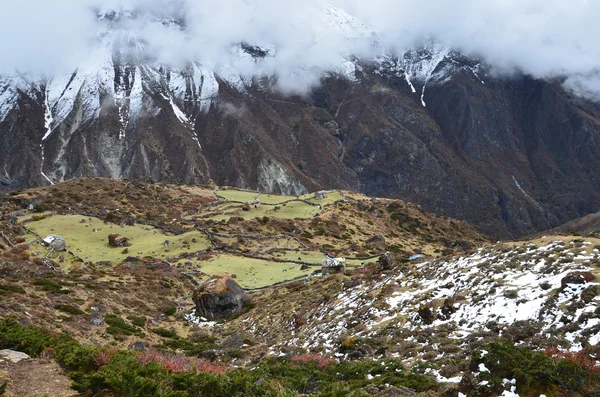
{"type": "Point", "coordinates": [254, 203]}
{"type": "Point", "coordinates": [321, 195]}
{"type": "Point", "coordinates": [56, 243]}
{"type": "Point", "coordinates": [333, 265]}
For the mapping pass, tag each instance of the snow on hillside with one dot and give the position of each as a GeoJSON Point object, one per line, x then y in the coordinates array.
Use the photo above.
{"type": "Point", "coordinates": [550, 290]}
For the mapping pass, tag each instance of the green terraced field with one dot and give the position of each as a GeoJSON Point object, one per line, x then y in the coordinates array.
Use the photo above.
{"type": "Point", "coordinates": [93, 246]}
{"type": "Point", "coordinates": [332, 196]}
{"type": "Point", "coordinates": [289, 210]}
{"type": "Point", "coordinates": [250, 273]}
{"type": "Point", "coordinates": [316, 257]}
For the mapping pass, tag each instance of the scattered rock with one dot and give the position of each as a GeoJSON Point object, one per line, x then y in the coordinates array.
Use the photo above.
{"type": "Point", "coordinates": [576, 278]}
{"type": "Point", "coordinates": [234, 342]}
{"type": "Point", "coordinates": [132, 259]}
{"type": "Point", "coordinates": [116, 240]}
{"type": "Point", "coordinates": [376, 239]}
{"type": "Point", "coordinates": [13, 356]}
{"type": "Point", "coordinates": [219, 297]}
{"type": "Point", "coordinates": [97, 320]}
{"type": "Point", "coordinates": [138, 346]}
{"type": "Point", "coordinates": [545, 285]}
{"type": "Point", "coordinates": [426, 315]}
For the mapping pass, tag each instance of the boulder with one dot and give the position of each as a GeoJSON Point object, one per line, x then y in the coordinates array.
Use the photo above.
{"type": "Point", "coordinates": [138, 346]}
{"type": "Point", "coordinates": [386, 261]}
{"type": "Point", "coordinates": [219, 297]}
{"type": "Point", "coordinates": [13, 356]}
{"type": "Point", "coordinates": [376, 239]}
{"type": "Point", "coordinates": [116, 240]}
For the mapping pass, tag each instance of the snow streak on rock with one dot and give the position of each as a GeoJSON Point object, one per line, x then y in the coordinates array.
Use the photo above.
{"type": "Point", "coordinates": [48, 120]}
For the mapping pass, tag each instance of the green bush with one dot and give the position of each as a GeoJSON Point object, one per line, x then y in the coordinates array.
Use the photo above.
{"type": "Point", "coordinates": [164, 332]}
{"type": "Point", "coordinates": [25, 339]}
{"type": "Point", "coordinates": [139, 321]}
{"type": "Point", "coordinates": [118, 326]}
{"type": "Point", "coordinates": [51, 286]}
{"type": "Point", "coordinates": [72, 310]}
{"type": "Point", "coordinates": [121, 373]}
{"type": "Point", "coordinates": [10, 289]}
{"type": "Point", "coordinates": [169, 311]}
{"type": "Point", "coordinates": [535, 372]}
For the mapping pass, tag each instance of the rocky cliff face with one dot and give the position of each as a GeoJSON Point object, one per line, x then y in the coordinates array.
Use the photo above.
{"type": "Point", "coordinates": [511, 156]}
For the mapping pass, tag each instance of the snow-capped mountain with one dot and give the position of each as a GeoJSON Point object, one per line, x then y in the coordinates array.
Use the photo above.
{"type": "Point", "coordinates": [425, 124]}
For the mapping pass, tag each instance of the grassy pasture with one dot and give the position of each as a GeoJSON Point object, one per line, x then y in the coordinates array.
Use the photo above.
{"type": "Point", "coordinates": [93, 246]}
{"type": "Point", "coordinates": [250, 272]}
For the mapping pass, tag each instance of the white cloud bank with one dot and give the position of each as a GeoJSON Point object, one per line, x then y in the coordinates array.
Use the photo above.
{"type": "Point", "coordinates": [545, 38]}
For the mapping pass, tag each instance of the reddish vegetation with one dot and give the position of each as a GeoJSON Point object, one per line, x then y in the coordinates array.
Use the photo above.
{"type": "Point", "coordinates": [315, 358]}
{"type": "Point", "coordinates": [104, 357]}
{"type": "Point", "coordinates": [179, 364]}
{"type": "Point", "coordinates": [584, 358]}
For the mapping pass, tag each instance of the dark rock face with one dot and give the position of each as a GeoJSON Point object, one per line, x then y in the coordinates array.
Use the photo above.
{"type": "Point", "coordinates": [510, 156]}
{"type": "Point", "coordinates": [219, 297]}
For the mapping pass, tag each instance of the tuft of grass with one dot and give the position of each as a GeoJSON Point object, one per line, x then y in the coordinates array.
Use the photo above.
{"type": "Point", "coordinates": [11, 289]}
{"type": "Point", "coordinates": [164, 333]}
{"type": "Point", "coordinates": [117, 326]}
{"type": "Point", "coordinates": [138, 321]}
{"type": "Point", "coordinates": [51, 286]}
{"type": "Point", "coordinates": [72, 310]}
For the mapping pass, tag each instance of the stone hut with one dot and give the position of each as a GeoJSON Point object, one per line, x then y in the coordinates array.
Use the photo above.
{"type": "Point", "coordinates": [254, 203]}
{"type": "Point", "coordinates": [56, 243]}
{"type": "Point", "coordinates": [321, 195]}
{"type": "Point", "coordinates": [333, 265]}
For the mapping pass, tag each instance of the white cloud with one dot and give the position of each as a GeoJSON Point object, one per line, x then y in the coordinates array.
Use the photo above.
{"type": "Point", "coordinates": [545, 38]}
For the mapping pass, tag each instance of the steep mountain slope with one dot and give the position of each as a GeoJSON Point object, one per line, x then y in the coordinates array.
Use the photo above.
{"type": "Point", "coordinates": [462, 317]}
{"type": "Point", "coordinates": [510, 155]}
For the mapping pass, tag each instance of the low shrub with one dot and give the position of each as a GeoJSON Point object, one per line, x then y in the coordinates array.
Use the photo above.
{"type": "Point", "coordinates": [72, 310]}
{"type": "Point", "coordinates": [535, 372]}
{"type": "Point", "coordinates": [152, 373]}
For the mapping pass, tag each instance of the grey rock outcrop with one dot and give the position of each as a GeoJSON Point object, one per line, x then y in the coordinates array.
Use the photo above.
{"type": "Point", "coordinates": [219, 297]}
{"type": "Point", "coordinates": [13, 356]}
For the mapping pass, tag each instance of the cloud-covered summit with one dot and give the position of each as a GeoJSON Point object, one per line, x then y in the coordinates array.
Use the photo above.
{"type": "Point", "coordinates": [544, 38]}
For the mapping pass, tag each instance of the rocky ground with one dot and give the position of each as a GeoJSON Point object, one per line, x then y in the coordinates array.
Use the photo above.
{"type": "Point", "coordinates": [433, 294]}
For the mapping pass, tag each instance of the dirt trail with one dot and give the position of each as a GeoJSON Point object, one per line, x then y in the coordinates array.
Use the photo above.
{"type": "Point", "coordinates": [36, 378]}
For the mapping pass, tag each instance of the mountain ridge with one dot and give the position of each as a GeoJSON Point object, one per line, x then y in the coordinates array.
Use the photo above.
{"type": "Point", "coordinates": [511, 155]}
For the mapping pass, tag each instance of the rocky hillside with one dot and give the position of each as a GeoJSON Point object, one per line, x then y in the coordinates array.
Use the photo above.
{"type": "Point", "coordinates": [429, 125]}
{"type": "Point", "coordinates": [221, 291]}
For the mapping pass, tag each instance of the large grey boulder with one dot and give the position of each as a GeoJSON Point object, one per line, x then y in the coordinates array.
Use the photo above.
{"type": "Point", "coordinates": [219, 297]}
{"type": "Point", "coordinates": [13, 356]}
